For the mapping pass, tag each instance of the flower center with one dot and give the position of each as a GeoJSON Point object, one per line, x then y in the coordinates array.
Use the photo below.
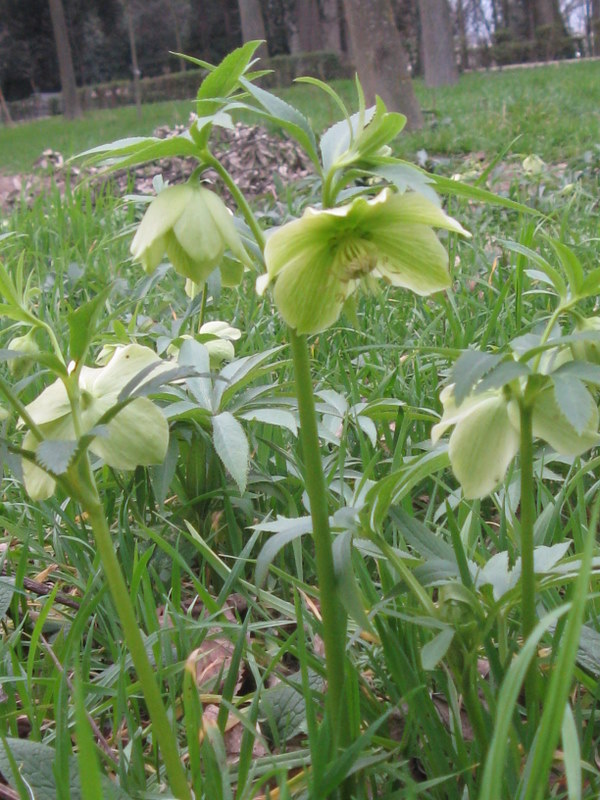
{"type": "Point", "coordinates": [356, 257]}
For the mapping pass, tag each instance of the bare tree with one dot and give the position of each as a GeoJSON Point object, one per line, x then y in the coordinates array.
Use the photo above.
{"type": "Point", "coordinates": [71, 104]}
{"type": "Point", "coordinates": [331, 25]}
{"type": "Point", "coordinates": [380, 57]}
{"type": "Point", "coordinates": [596, 26]}
{"type": "Point", "coordinates": [253, 24]}
{"type": "Point", "coordinates": [308, 24]}
{"type": "Point", "coordinates": [137, 91]}
{"type": "Point", "coordinates": [438, 43]}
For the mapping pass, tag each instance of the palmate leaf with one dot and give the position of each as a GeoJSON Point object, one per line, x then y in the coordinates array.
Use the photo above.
{"type": "Point", "coordinates": [224, 79]}
{"type": "Point", "coordinates": [35, 760]}
{"type": "Point", "coordinates": [339, 137]}
{"type": "Point", "coordinates": [288, 117]}
{"type": "Point", "coordinates": [231, 445]}
{"type": "Point", "coordinates": [56, 456]}
{"type": "Point", "coordinates": [469, 369]}
{"type": "Point", "coordinates": [574, 401]}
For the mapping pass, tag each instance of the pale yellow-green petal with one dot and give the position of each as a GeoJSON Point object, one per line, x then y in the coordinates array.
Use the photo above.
{"type": "Point", "coordinates": [299, 241]}
{"type": "Point", "coordinates": [137, 436]}
{"type": "Point", "coordinates": [413, 257]}
{"type": "Point", "coordinates": [196, 232]}
{"type": "Point", "coordinates": [160, 216]}
{"type": "Point", "coordinates": [185, 264]}
{"type": "Point", "coordinates": [309, 296]}
{"type": "Point", "coordinates": [51, 404]}
{"type": "Point", "coordinates": [38, 484]}
{"type": "Point", "coordinates": [223, 220]}
{"type": "Point", "coordinates": [413, 208]}
{"type": "Point", "coordinates": [551, 425]}
{"type": "Point", "coordinates": [452, 413]}
{"type": "Point", "coordinates": [125, 364]}
{"type": "Point", "coordinates": [482, 446]}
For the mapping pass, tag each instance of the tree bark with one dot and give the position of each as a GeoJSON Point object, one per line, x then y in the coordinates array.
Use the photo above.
{"type": "Point", "coordinates": [380, 57]}
{"type": "Point", "coordinates": [331, 25]}
{"type": "Point", "coordinates": [438, 43]}
{"type": "Point", "coordinates": [308, 23]}
{"type": "Point", "coordinates": [596, 26]}
{"type": "Point", "coordinates": [137, 92]}
{"type": "Point", "coordinates": [253, 24]}
{"type": "Point", "coordinates": [71, 104]}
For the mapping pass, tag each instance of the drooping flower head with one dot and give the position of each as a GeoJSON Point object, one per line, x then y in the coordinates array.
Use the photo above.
{"type": "Point", "coordinates": [138, 435]}
{"type": "Point", "coordinates": [193, 227]}
{"type": "Point", "coordinates": [318, 261]}
{"type": "Point", "coordinates": [486, 434]}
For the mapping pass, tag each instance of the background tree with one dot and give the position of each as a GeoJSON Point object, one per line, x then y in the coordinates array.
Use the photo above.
{"type": "Point", "coordinates": [252, 24]}
{"type": "Point", "coordinates": [439, 60]}
{"type": "Point", "coordinates": [308, 24]}
{"type": "Point", "coordinates": [380, 58]}
{"type": "Point", "coordinates": [71, 104]}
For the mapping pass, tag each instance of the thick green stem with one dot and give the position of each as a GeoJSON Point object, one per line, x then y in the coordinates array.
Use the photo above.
{"type": "Point", "coordinates": [334, 617]}
{"type": "Point", "coordinates": [528, 615]}
{"type": "Point", "coordinates": [116, 583]}
{"type": "Point", "coordinates": [238, 196]}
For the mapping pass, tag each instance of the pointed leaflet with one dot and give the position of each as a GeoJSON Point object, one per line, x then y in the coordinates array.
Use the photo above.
{"type": "Point", "coordinates": [433, 652]}
{"type": "Point", "coordinates": [128, 152]}
{"type": "Point", "coordinates": [347, 585]}
{"type": "Point", "coordinates": [339, 137]}
{"type": "Point", "coordinates": [284, 531]}
{"type": "Point", "coordinates": [288, 117]}
{"type": "Point", "coordinates": [470, 368]}
{"type": "Point", "coordinates": [232, 447]}
{"type": "Point", "coordinates": [224, 79]}
{"type": "Point", "coordinates": [574, 401]}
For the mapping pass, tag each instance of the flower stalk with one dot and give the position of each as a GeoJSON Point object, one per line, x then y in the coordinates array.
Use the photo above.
{"type": "Point", "coordinates": [332, 612]}
{"type": "Point", "coordinates": [92, 505]}
{"type": "Point", "coordinates": [527, 547]}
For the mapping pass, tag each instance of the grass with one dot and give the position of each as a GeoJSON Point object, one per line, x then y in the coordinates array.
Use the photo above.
{"type": "Point", "coordinates": [553, 110]}
{"type": "Point", "coordinates": [433, 684]}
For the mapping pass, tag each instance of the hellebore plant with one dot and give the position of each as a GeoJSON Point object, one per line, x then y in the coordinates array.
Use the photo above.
{"type": "Point", "coordinates": [315, 263]}
{"type": "Point", "coordinates": [542, 389]}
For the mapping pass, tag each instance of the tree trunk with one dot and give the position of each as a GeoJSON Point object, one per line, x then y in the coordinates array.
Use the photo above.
{"type": "Point", "coordinates": [331, 25]}
{"type": "Point", "coordinates": [308, 23]}
{"type": "Point", "coordinates": [5, 109]}
{"type": "Point", "coordinates": [253, 25]}
{"type": "Point", "coordinates": [71, 105]}
{"type": "Point", "coordinates": [137, 92]}
{"type": "Point", "coordinates": [380, 57]}
{"type": "Point", "coordinates": [462, 35]}
{"type": "Point", "coordinates": [438, 43]}
{"type": "Point", "coordinates": [596, 26]}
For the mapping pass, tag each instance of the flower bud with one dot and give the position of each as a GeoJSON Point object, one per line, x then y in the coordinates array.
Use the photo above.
{"type": "Point", "coordinates": [28, 348]}
{"type": "Point", "coordinates": [587, 350]}
{"type": "Point", "coordinates": [192, 226]}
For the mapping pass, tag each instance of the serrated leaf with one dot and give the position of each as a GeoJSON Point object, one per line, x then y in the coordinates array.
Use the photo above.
{"type": "Point", "coordinates": [427, 543]}
{"type": "Point", "coordinates": [470, 368]}
{"type": "Point", "coordinates": [285, 530]}
{"type": "Point", "coordinates": [55, 456]}
{"type": "Point", "coordinates": [232, 447]}
{"type": "Point", "coordinates": [574, 401]}
{"type": "Point", "coordinates": [292, 120]}
{"type": "Point", "coordinates": [435, 650]}
{"type": "Point", "coordinates": [337, 139]}
{"type": "Point", "coordinates": [504, 373]}
{"type": "Point", "coordinates": [35, 762]}
{"type": "Point", "coordinates": [590, 373]}
{"type": "Point", "coordinates": [235, 375]}
{"type": "Point", "coordinates": [129, 152]}
{"type": "Point", "coordinates": [406, 176]}
{"type": "Point", "coordinates": [224, 78]}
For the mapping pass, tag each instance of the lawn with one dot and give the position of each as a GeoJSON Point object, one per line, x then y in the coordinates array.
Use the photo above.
{"type": "Point", "coordinates": [551, 111]}
{"type": "Point", "coordinates": [336, 538]}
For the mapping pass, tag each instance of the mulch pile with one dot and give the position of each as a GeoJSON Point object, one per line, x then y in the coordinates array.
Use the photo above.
{"type": "Point", "coordinates": [261, 163]}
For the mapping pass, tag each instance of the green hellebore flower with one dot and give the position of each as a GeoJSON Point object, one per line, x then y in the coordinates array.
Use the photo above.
{"type": "Point", "coordinates": [587, 350]}
{"type": "Point", "coordinates": [28, 348]}
{"type": "Point", "coordinates": [217, 337]}
{"type": "Point", "coordinates": [137, 436]}
{"type": "Point", "coordinates": [318, 261]}
{"type": "Point", "coordinates": [486, 435]}
{"type": "Point", "coordinates": [193, 227]}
